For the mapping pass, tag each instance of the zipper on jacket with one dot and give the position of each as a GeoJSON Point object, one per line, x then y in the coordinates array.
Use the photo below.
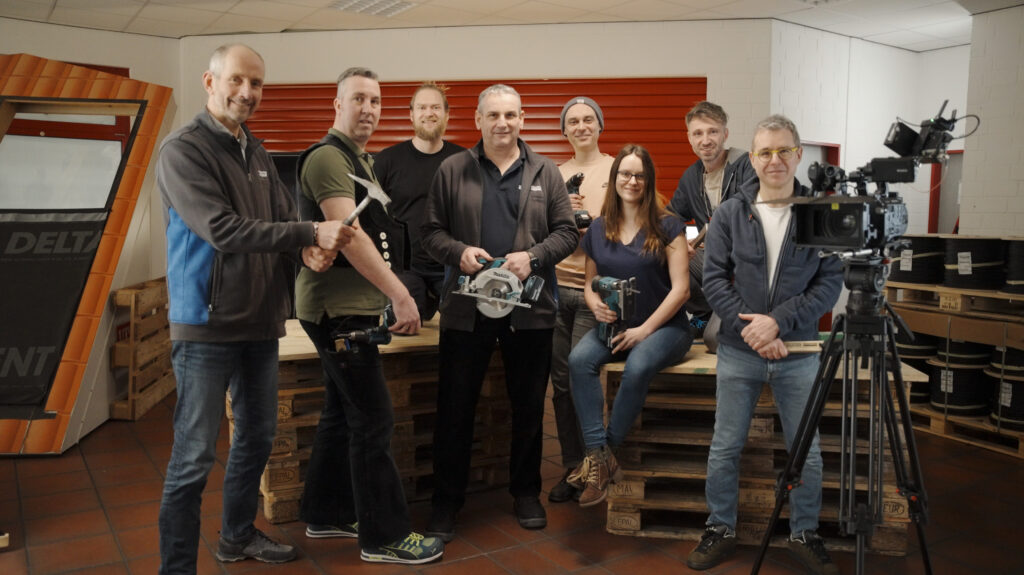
{"type": "Point", "coordinates": [215, 281]}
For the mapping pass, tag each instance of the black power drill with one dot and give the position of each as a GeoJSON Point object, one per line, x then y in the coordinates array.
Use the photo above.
{"type": "Point", "coordinates": [573, 184]}
{"type": "Point", "coordinates": [618, 296]}
{"type": "Point", "coordinates": [378, 335]}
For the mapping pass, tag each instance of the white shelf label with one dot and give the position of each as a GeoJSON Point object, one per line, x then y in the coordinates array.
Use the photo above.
{"type": "Point", "coordinates": [963, 263]}
{"type": "Point", "coordinates": [907, 261]}
{"type": "Point", "coordinates": [946, 382]}
{"type": "Point", "coordinates": [1005, 394]}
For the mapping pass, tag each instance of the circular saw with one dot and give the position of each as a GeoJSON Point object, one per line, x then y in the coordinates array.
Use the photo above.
{"type": "Point", "coordinates": [497, 291]}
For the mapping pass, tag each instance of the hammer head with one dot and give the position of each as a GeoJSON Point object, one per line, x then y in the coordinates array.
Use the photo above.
{"type": "Point", "coordinates": [372, 190]}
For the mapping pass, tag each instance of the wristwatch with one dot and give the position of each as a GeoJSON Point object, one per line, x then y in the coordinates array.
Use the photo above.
{"type": "Point", "coordinates": [534, 262]}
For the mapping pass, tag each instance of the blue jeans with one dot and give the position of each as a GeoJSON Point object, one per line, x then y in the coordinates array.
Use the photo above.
{"type": "Point", "coordinates": [666, 346]}
{"type": "Point", "coordinates": [205, 372]}
{"type": "Point", "coordinates": [573, 321]}
{"type": "Point", "coordinates": [741, 375]}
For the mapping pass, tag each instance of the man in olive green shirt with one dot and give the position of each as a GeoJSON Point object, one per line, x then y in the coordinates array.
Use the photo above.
{"type": "Point", "coordinates": [352, 486]}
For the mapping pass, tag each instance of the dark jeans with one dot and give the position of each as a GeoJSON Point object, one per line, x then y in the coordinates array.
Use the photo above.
{"type": "Point", "coordinates": [697, 305]}
{"type": "Point", "coordinates": [573, 322]}
{"type": "Point", "coordinates": [205, 371]}
{"type": "Point", "coordinates": [464, 357]}
{"type": "Point", "coordinates": [352, 475]}
{"type": "Point", "coordinates": [424, 288]}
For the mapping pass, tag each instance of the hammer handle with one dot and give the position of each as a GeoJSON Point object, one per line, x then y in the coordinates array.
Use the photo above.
{"type": "Point", "coordinates": [355, 213]}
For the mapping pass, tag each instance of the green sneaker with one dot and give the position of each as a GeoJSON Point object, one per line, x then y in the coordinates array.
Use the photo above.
{"type": "Point", "coordinates": [412, 550]}
{"type": "Point", "coordinates": [316, 531]}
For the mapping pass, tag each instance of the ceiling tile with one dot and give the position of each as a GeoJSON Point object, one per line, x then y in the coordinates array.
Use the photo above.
{"type": "Point", "coordinates": [126, 7]}
{"type": "Point", "coordinates": [273, 10]}
{"type": "Point", "coordinates": [899, 38]}
{"type": "Point", "coordinates": [241, 23]}
{"type": "Point", "coordinates": [179, 14]}
{"type": "Point", "coordinates": [429, 15]}
{"type": "Point", "coordinates": [165, 28]}
{"type": "Point", "coordinates": [26, 9]}
{"type": "Point", "coordinates": [540, 12]}
{"type": "Point", "coordinates": [586, 5]}
{"type": "Point", "coordinates": [859, 28]}
{"type": "Point", "coordinates": [211, 5]}
{"type": "Point", "coordinates": [936, 44]}
{"type": "Point", "coordinates": [761, 8]}
{"type": "Point", "coordinates": [818, 17]}
{"type": "Point", "coordinates": [90, 18]}
{"type": "Point", "coordinates": [954, 28]}
{"type": "Point", "coordinates": [648, 10]}
{"type": "Point", "coordinates": [489, 7]}
{"type": "Point", "coordinates": [332, 19]}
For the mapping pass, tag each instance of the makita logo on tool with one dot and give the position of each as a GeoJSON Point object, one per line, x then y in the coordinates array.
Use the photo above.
{"type": "Point", "coordinates": [24, 362]}
{"type": "Point", "coordinates": [52, 242]}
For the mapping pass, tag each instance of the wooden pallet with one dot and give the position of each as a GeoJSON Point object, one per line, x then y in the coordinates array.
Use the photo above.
{"type": "Point", "coordinates": [143, 349]}
{"type": "Point", "coordinates": [976, 431]}
{"type": "Point", "coordinates": [987, 304]}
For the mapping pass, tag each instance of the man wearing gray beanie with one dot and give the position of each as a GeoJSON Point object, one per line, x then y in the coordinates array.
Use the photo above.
{"type": "Point", "coordinates": [582, 122]}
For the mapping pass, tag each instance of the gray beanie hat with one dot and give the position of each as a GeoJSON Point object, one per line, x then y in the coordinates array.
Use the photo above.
{"type": "Point", "coordinates": [587, 101]}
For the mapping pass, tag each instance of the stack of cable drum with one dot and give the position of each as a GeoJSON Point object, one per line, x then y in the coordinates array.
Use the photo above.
{"type": "Point", "coordinates": [916, 354]}
{"type": "Point", "coordinates": [920, 262]}
{"type": "Point", "coordinates": [974, 263]}
{"type": "Point", "coordinates": [1006, 371]}
{"type": "Point", "coordinates": [1014, 266]}
{"type": "Point", "coordinates": [958, 382]}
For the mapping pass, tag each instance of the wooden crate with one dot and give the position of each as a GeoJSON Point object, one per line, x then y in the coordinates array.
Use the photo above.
{"type": "Point", "coordinates": [143, 349]}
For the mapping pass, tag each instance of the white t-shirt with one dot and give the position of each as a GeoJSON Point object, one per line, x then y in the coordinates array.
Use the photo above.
{"type": "Point", "coordinates": [774, 220]}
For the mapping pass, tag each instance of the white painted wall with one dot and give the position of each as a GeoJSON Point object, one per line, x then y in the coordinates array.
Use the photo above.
{"type": "Point", "coordinates": [992, 202]}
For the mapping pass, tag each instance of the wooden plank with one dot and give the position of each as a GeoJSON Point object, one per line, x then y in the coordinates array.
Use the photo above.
{"type": "Point", "coordinates": [144, 401]}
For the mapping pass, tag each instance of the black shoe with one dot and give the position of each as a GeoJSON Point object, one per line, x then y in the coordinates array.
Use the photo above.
{"type": "Point", "coordinates": [563, 491]}
{"type": "Point", "coordinates": [260, 548]}
{"type": "Point", "coordinates": [716, 545]}
{"type": "Point", "coordinates": [441, 524]}
{"type": "Point", "coordinates": [809, 548]}
{"type": "Point", "coordinates": [530, 512]}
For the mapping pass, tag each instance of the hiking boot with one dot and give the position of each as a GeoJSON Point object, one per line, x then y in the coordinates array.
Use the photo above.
{"type": "Point", "coordinates": [413, 549]}
{"type": "Point", "coordinates": [809, 549]}
{"type": "Point", "coordinates": [259, 547]}
{"type": "Point", "coordinates": [315, 531]}
{"type": "Point", "coordinates": [441, 524]}
{"type": "Point", "coordinates": [563, 491]}
{"type": "Point", "coordinates": [603, 468]}
{"type": "Point", "coordinates": [716, 545]}
{"type": "Point", "coordinates": [530, 513]}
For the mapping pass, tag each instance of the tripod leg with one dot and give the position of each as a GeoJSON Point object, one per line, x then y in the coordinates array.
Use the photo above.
{"type": "Point", "coordinates": [831, 355]}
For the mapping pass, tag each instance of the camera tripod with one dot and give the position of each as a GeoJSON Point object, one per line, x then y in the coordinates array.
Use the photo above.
{"type": "Point", "coordinates": [861, 338]}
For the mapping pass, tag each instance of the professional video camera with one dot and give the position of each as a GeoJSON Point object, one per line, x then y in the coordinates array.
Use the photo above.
{"type": "Point", "coordinates": [870, 221]}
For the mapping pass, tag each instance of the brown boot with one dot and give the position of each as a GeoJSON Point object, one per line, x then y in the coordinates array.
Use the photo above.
{"type": "Point", "coordinates": [614, 471]}
{"type": "Point", "coordinates": [596, 488]}
{"type": "Point", "coordinates": [578, 477]}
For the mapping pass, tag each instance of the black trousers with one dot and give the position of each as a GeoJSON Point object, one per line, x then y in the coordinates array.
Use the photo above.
{"type": "Point", "coordinates": [352, 475]}
{"type": "Point", "coordinates": [464, 357]}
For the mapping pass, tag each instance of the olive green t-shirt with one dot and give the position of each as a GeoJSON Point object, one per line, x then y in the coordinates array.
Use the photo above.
{"type": "Point", "coordinates": [340, 290]}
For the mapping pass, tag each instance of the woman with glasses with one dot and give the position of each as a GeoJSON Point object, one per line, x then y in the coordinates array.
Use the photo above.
{"type": "Point", "coordinates": [635, 237]}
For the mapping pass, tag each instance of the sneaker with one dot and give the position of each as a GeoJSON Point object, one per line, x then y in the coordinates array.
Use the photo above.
{"type": "Point", "coordinates": [716, 545]}
{"type": "Point", "coordinates": [563, 491]}
{"type": "Point", "coordinates": [315, 531]}
{"type": "Point", "coordinates": [260, 548]}
{"type": "Point", "coordinates": [441, 524]}
{"type": "Point", "coordinates": [530, 512]}
{"type": "Point", "coordinates": [809, 549]}
{"type": "Point", "coordinates": [411, 550]}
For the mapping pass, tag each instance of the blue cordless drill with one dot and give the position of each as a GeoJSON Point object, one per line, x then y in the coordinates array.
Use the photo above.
{"type": "Point", "coordinates": [617, 294]}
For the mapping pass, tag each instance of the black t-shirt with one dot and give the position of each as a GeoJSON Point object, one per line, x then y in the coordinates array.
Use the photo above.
{"type": "Point", "coordinates": [405, 174]}
{"type": "Point", "coordinates": [500, 208]}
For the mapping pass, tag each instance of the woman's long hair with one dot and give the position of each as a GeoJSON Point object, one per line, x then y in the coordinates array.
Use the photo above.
{"type": "Point", "coordinates": [650, 212]}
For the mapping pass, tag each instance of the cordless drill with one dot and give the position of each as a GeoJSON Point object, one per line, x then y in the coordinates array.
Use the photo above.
{"type": "Point", "coordinates": [582, 216]}
{"type": "Point", "coordinates": [618, 295]}
{"type": "Point", "coordinates": [378, 335]}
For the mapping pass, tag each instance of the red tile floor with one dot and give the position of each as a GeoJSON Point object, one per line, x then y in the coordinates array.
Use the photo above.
{"type": "Point", "coordinates": [93, 510]}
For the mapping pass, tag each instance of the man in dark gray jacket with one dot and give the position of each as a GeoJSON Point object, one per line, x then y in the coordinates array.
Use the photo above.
{"type": "Point", "coordinates": [767, 291]}
{"type": "Point", "coordinates": [718, 174]}
{"type": "Point", "coordinates": [232, 242]}
{"type": "Point", "coordinates": [499, 199]}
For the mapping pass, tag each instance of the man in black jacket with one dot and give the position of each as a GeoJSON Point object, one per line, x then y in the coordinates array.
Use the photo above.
{"type": "Point", "coordinates": [719, 174]}
{"type": "Point", "coordinates": [498, 199]}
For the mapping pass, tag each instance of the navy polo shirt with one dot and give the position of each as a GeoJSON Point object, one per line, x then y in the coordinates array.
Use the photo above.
{"type": "Point", "coordinates": [500, 209]}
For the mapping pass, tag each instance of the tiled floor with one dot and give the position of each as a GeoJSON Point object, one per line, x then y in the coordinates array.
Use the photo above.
{"type": "Point", "coordinates": [93, 510]}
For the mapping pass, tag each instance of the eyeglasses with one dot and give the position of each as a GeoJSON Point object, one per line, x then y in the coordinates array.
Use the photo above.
{"type": "Point", "coordinates": [627, 176]}
{"type": "Point", "coordinates": [785, 154]}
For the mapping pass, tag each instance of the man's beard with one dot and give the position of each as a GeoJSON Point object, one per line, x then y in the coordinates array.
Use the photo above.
{"type": "Point", "coordinates": [424, 133]}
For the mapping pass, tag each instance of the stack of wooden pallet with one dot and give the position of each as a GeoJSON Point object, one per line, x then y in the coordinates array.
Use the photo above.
{"type": "Point", "coordinates": [665, 463]}
{"type": "Point", "coordinates": [141, 356]}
